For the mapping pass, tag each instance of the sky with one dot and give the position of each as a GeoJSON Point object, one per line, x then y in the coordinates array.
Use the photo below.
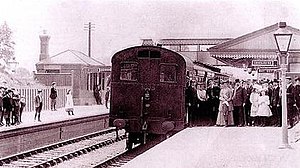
{"type": "Point", "coordinates": [123, 23]}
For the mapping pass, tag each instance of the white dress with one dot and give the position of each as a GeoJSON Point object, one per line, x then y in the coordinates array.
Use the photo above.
{"type": "Point", "coordinates": [254, 104]}
{"type": "Point", "coordinates": [263, 106]}
{"type": "Point", "coordinates": [69, 103]}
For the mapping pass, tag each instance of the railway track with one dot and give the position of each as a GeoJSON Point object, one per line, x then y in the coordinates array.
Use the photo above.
{"type": "Point", "coordinates": [56, 153]}
{"type": "Point", "coordinates": [128, 155]}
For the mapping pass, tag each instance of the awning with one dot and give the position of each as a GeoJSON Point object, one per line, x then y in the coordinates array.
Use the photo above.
{"type": "Point", "coordinates": [240, 56]}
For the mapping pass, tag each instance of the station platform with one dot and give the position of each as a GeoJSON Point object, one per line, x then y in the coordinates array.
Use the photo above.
{"type": "Point", "coordinates": [49, 116]}
{"type": "Point", "coordinates": [223, 147]}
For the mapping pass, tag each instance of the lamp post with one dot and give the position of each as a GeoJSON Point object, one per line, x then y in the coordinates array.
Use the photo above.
{"type": "Point", "coordinates": [283, 39]}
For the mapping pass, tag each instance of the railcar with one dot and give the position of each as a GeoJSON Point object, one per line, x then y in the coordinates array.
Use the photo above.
{"type": "Point", "coordinates": [148, 92]}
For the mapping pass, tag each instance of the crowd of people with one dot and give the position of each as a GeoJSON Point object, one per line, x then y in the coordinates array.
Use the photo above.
{"type": "Point", "coordinates": [11, 106]}
{"type": "Point", "coordinates": [242, 103]}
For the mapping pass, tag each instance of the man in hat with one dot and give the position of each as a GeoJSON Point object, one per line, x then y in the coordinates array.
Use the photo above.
{"type": "Point", "coordinates": [297, 97]}
{"type": "Point", "coordinates": [38, 101]}
{"type": "Point", "coordinates": [239, 100]}
{"type": "Point", "coordinates": [53, 96]}
{"type": "Point", "coordinates": [191, 100]}
{"type": "Point", "coordinates": [8, 106]}
{"type": "Point", "coordinates": [213, 94]}
{"type": "Point", "coordinates": [248, 87]}
{"type": "Point", "coordinates": [275, 104]}
{"type": "Point", "coordinates": [16, 108]}
{"type": "Point", "coordinates": [290, 102]}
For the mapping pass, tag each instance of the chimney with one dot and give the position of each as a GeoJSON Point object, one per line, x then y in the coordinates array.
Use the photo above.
{"type": "Point", "coordinates": [44, 54]}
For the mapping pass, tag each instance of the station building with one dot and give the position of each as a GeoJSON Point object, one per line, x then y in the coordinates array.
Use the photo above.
{"type": "Point", "coordinates": [74, 69]}
{"type": "Point", "coordinates": [257, 52]}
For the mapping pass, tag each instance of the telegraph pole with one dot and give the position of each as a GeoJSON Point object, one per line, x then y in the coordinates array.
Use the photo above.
{"type": "Point", "coordinates": [90, 28]}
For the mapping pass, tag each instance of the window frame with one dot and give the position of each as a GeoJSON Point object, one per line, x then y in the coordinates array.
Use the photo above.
{"type": "Point", "coordinates": [176, 72]}
{"type": "Point", "coordinates": [137, 71]}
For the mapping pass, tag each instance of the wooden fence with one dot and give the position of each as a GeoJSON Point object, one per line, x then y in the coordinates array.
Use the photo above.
{"type": "Point", "coordinates": [30, 93]}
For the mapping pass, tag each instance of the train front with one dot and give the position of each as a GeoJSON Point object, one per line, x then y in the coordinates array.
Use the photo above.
{"type": "Point", "coordinates": [147, 92]}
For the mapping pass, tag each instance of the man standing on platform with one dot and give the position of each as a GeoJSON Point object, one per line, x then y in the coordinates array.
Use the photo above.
{"type": "Point", "coordinates": [213, 94]}
{"type": "Point", "coordinates": [53, 96]}
{"type": "Point", "coordinates": [98, 95]}
{"type": "Point", "coordinates": [191, 100]}
{"type": "Point", "coordinates": [297, 97]}
{"type": "Point", "coordinates": [8, 106]}
{"type": "Point", "coordinates": [248, 87]}
{"type": "Point", "coordinates": [275, 104]}
{"type": "Point", "coordinates": [38, 101]}
{"type": "Point", "coordinates": [239, 100]}
{"type": "Point", "coordinates": [290, 102]}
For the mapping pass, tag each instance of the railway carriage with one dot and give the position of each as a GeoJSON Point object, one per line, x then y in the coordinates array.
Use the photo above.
{"type": "Point", "coordinates": [148, 91]}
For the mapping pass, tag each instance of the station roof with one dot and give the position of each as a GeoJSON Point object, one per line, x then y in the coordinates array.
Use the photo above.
{"type": "Point", "coordinates": [71, 57]}
{"type": "Point", "coordinates": [208, 41]}
{"type": "Point", "coordinates": [259, 44]}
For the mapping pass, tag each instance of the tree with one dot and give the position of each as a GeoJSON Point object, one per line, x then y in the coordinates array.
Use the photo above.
{"type": "Point", "coordinates": [7, 49]}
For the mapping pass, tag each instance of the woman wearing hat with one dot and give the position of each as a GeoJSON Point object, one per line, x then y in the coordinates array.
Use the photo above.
{"type": "Point", "coordinates": [225, 115]}
{"type": "Point", "coordinates": [254, 96]}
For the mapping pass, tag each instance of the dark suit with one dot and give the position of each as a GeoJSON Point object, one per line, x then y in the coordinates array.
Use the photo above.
{"type": "Point", "coordinates": [290, 104]}
{"type": "Point", "coordinates": [38, 107]}
{"type": "Point", "coordinates": [213, 101]}
{"type": "Point", "coordinates": [191, 101]}
{"type": "Point", "coordinates": [248, 105]}
{"type": "Point", "coordinates": [275, 106]}
{"type": "Point", "coordinates": [297, 98]}
{"type": "Point", "coordinates": [53, 96]}
{"type": "Point", "coordinates": [7, 108]}
{"type": "Point", "coordinates": [238, 100]}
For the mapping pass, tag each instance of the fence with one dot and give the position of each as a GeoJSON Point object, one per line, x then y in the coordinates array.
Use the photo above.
{"type": "Point", "coordinates": [30, 93]}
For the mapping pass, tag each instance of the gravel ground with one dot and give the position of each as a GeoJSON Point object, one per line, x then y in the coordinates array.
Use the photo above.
{"type": "Point", "coordinates": [95, 157]}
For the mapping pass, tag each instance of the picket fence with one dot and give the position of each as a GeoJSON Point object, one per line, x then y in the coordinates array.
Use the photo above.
{"type": "Point", "coordinates": [30, 93]}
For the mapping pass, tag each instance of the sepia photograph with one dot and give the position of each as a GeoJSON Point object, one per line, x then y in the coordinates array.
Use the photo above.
{"type": "Point", "coordinates": [150, 83]}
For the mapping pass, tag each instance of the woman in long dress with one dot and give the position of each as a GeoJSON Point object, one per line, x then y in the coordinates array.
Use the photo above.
{"type": "Point", "coordinates": [225, 115]}
{"type": "Point", "coordinates": [69, 107]}
{"type": "Point", "coordinates": [264, 110]}
{"type": "Point", "coordinates": [254, 96]}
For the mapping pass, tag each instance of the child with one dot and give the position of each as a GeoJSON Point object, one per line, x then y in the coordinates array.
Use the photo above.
{"type": "Point", "coordinates": [69, 107]}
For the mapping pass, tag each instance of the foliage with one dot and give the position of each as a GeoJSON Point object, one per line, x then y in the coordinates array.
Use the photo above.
{"type": "Point", "coordinates": [6, 43]}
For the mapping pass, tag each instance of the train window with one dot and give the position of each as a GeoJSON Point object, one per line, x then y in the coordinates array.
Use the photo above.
{"type": "Point", "coordinates": [144, 54]}
{"type": "Point", "coordinates": [148, 54]}
{"type": "Point", "coordinates": [154, 54]}
{"type": "Point", "coordinates": [129, 71]}
{"type": "Point", "coordinates": [167, 73]}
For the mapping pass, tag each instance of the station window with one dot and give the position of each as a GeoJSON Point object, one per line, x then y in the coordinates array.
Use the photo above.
{"type": "Point", "coordinates": [129, 71]}
{"type": "Point", "coordinates": [167, 73]}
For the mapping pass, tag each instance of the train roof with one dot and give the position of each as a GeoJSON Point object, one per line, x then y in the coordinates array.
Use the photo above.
{"type": "Point", "coordinates": [188, 61]}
